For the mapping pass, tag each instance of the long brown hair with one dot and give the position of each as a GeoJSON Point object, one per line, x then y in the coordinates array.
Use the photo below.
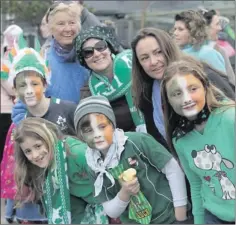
{"type": "Point", "coordinates": [25, 172]}
{"type": "Point", "coordinates": [141, 82]}
{"type": "Point", "coordinates": [213, 94]}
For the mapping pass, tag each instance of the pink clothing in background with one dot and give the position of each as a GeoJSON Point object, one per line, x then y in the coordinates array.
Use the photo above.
{"type": "Point", "coordinates": [229, 50]}
{"type": "Point", "coordinates": [8, 186]}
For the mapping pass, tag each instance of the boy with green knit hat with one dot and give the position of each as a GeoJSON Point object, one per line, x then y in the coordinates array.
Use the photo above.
{"type": "Point", "coordinates": [157, 192]}
{"type": "Point", "coordinates": [29, 73]}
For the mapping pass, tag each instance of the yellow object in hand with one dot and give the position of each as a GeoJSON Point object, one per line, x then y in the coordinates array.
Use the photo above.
{"type": "Point", "coordinates": [129, 174]}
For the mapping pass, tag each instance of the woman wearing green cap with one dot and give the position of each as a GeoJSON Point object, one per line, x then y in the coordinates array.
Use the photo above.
{"type": "Point", "coordinates": [110, 74]}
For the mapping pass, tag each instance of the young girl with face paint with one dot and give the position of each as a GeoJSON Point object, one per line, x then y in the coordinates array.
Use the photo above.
{"type": "Point", "coordinates": [97, 49]}
{"type": "Point", "coordinates": [111, 151]}
{"type": "Point", "coordinates": [55, 170]}
{"type": "Point", "coordinates": [200, 126]}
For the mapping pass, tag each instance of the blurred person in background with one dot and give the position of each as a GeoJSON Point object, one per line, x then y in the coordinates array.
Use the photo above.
{"type": "Point", "coordinates": [190, 34]}
{"type": "Point", "coordinates": [11, 38]}
{"type": "Point", "coordinates": [45, 34]}
{"type": "Point", "coordinates": [214, 28]}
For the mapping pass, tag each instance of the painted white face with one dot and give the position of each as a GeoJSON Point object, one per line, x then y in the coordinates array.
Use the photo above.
{"type": "Point", "coordinates": [150, 57]}
{"type": "Point", "coordinates": [181, 33]}
{"type": "Point", "coordinates": [65, 28]}
{"type": "Point", "coordinates": [99, 134]}
{"type": "Point", "coordinates": [36, 151]}
{"type": "Point", "coordinates": [100, 60]}
{"type": "Point", "coordinates": [186, 95]}
{"type": "Point", "coordinates": [30, 89]}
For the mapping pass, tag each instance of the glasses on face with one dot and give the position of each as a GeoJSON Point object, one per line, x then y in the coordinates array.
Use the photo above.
{"type": "Point", "coordinates": [89, 51]}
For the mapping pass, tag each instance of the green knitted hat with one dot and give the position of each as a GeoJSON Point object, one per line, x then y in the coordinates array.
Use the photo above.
{"type": "Point", "coordinates": [27, 59]}
{"type": "Point", "coordinates": [99, 32]}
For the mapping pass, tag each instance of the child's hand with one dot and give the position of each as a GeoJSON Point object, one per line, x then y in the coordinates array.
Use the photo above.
{"type": "Point", "coordinates": [129, 184]}
{"type": "Point", "coordinates": [128, 188]}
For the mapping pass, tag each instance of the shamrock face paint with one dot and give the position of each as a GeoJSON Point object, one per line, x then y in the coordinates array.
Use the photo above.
{"type": "Point", "coordinates": [30, 89]}
{"type": "Point", "coordinates": [99, 133]}
{"type": "Point", "coordinates": [186, 95]}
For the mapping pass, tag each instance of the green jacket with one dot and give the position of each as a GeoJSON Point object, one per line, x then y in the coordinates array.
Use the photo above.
{"type": "Point", "coordinates": [150, 157]}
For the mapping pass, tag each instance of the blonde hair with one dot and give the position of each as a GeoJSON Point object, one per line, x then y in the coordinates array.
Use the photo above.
{"type": "Point", "coordinates": [25, 172]}
{"type": "Point", "coordinates": [215, 98]}
{"type": "Point", "coordinates": [73, 9]}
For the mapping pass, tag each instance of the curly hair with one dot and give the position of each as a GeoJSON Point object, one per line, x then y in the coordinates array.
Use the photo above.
{"type": "Point", "coordinates": [196, 24]}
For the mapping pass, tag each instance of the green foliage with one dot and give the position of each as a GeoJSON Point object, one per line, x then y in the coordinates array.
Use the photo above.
{"type": "Point", "coordinates": [27, 11]}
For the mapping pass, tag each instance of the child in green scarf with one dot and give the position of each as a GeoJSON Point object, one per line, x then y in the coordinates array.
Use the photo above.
{"type": "Point", "coordinates": [158, 193]}
{"type": "Point", "coordinates": [55, 170]}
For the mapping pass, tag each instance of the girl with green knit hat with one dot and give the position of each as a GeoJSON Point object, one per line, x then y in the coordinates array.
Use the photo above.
{"type": "Point", "coordinates": [110, 74]}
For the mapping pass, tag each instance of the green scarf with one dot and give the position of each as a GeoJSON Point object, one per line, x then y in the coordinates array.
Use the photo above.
{"type": "Point", "coordinates": [57, 195]}
{"type": "Point", "coordinates": [120, 85]}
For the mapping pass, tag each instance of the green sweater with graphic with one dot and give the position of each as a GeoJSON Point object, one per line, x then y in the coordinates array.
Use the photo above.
{"type": "Point", "coordinates": [81, 188]}
{"type": "Point", "coordinates": [208, 161]}
{"type": "Point", "coordinates": [149, 158]}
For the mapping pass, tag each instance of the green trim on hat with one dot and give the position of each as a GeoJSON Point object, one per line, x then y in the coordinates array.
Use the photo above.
{"type": "Point", "coordinates": [27, 59]}
{"type": "Point", "coordinates": [30, 62]}
{"type": "Point", "coordinates": [4, 75]}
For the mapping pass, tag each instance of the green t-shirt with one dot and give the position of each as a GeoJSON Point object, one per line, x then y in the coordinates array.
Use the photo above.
{"type": "Point", "coordinates": [208, 161]}
{"type": "Point", "coordinates": [150, 157]}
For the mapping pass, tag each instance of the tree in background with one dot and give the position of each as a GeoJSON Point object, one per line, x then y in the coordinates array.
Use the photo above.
{"type": "Point", "coordinates": [26, 11]}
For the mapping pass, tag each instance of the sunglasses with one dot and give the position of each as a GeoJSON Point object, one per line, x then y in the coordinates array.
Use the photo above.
{"type": "Point", "coordinates": [89, 51]}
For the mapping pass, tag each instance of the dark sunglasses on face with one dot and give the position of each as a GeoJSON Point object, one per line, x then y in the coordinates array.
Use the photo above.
{"type": "Point", "coordinates": [89, 51]}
